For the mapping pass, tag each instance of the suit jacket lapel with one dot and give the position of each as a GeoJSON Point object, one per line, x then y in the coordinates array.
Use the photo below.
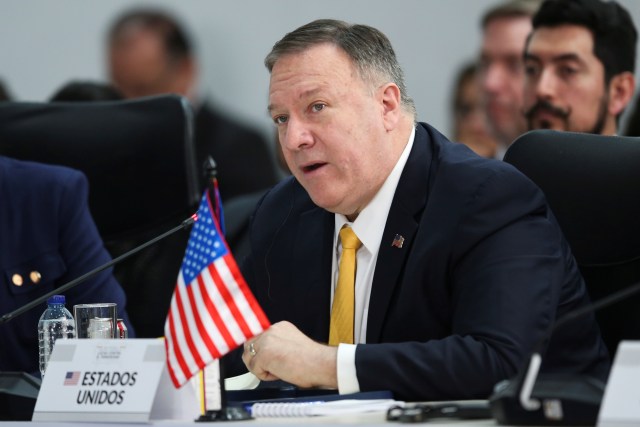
{"type": "Point", "coordinates": [406, 209]}
{"type": "Point", "coordinates": [311, 275]}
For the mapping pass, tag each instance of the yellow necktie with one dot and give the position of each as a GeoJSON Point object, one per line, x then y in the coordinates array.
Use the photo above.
{"type": "Point", "coordinates": [341, 326]}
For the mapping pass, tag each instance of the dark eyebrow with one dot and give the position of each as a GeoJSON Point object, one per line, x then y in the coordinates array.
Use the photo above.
{"type": "Point", "coordinates": [567, 57]}
{"type": "Point", "coordinates": [558, 58]}
{"type": "Point", "coordinates": [530, 57]}
{"type": "Point", "coordinates": [306, 93]}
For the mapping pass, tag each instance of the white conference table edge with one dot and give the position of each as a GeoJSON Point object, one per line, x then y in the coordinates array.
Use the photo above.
{"type": "Point", "coordinates": [369, 419]}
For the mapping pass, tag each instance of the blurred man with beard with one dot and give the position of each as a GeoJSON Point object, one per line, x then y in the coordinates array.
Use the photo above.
{"type": "Point", "coordinates": [579, 65]}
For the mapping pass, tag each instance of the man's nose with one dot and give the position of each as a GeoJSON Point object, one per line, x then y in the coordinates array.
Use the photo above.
{"type": "Point", "coordinates": [297, 135]}
{"type": "Point", "coordinates": [546, 85]}
{"type": "Point", "coordinates": [493, 78]}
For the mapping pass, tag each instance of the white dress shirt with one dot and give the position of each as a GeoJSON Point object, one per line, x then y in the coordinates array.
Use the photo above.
{"type": "Point", "coordinates": [369, 227]}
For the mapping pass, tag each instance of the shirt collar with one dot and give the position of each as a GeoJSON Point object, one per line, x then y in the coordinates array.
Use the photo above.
{"type": "Point", "coordinates": [370, 223]}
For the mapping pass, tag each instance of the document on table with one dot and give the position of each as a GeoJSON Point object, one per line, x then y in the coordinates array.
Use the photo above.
{"type": "Point", "coordinates": [320, 408]}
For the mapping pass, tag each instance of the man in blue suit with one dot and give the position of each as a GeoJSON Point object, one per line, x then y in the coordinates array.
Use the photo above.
{"type": "Point", "coordinates": [47, 238]}
{"type": "Point", "coordinates": [461, 270]}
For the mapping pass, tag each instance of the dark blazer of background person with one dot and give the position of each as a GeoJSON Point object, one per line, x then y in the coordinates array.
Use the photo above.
{"type": "Point", "coordinates": [4, 93]}
{"type": "Point", "coordinates": [45, 229]}
{"type": "Point", "coordinates": [483, 272]}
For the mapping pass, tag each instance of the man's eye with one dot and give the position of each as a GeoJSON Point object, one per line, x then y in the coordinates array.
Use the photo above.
{"type": "Point", "coordinates": [531, 70]}
{"type": "Point", "coordinates": [484, 64]}
{"type": "Point", "coordinates": [567, 71]}
{"type": "Point", "coordinates": [280, 120]}
{"type": "Point", "coordinates": [317, 107]}
{"type": "Point", "coordinates": [515, 66]}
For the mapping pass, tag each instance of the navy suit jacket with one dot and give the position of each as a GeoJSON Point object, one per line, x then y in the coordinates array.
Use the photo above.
{"type": "Point", "coordinates": [45, 227]}
{"type": "Point", "coordinates": [483, 272]}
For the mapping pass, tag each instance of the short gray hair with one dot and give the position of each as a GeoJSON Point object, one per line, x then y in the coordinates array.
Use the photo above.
{"type": "Point", "coordinates": [369, 49]}
{"type": "Point", "coordinates": [510, 10]}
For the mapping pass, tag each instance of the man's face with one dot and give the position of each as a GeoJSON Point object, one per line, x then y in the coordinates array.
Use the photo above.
{"type": "Point", "coordinates": [330, 126]}
{"type": "Point", "coordinates": [470, 120]}
{"type": "Point", "coordinates": [139, 66]}
{"type": "Point", "coordinates": [502, 77]}
{"type": "Point", "coordinates": [564, 85]}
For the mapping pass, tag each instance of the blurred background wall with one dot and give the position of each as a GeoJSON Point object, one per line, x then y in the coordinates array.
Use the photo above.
{"type": "Point", "coordinates": [46, 43]}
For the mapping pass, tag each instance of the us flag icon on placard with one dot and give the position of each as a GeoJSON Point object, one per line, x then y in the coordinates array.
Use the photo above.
{"type": "Point", "coordinates": [72, 378]}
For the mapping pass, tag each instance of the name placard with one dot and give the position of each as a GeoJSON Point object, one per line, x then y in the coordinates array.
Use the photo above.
{"type": "Point", "coordinates": [621, 401]}
{"type": "Point", "coordinates": [103, 379]}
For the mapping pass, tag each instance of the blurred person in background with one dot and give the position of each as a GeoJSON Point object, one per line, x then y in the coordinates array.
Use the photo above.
{"type": "Point", "coordinates": [47, 238]}
{"type": "Point", "coordinates": [504, 31]}
{"type": "Point", "coordinates": [86, 90]}
{"type": "Point", "coordinates": [579, 65]}
{"type": "Point", "coordinates": [469, 119]}
{"type": "Point", "coordinates": [150, 53]}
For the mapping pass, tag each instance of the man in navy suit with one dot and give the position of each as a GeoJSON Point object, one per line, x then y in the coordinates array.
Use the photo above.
{"type": "Point", "coordinates": [47, 238]}
{"type": "Point", "coordinates": [462, 268]}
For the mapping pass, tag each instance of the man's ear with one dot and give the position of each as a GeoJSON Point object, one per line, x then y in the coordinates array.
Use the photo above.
{"type": "Point", "coordinates": [185, 76]}
{"type": "Point", "coordinates": [391, 105]}
{"type": "Point", "coordinates": [621, 90]}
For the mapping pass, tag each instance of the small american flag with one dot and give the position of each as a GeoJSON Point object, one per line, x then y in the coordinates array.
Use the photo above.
{"type": "Point", "coordinates": [212, 310]}
{"type": "Point", "coordinates": [398, 241]}
{"type": "Point", "coordinates": [72, 378]}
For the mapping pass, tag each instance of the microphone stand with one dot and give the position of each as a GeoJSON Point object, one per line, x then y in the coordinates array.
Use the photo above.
{"type": "Point", "coordinates": [8, 316]}
{"type": "Point", "coordinates": [524, 384]}
{"type": "Point", "coordinates": [529, 381]}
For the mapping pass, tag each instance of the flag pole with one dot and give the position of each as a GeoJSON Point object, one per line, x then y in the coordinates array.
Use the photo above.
{"type": "Point", "coordinates": [210, 171]}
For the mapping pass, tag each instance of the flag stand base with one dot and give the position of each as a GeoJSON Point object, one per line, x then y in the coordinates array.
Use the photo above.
{"type": "Point", "coordinates": [212, 384]}
{"type": "Point", "coordinates": [230, 413]}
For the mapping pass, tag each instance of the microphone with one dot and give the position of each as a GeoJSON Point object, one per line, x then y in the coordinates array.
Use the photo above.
{"type": "Point", "coordinates": [38, 301]}
{"type": "Point", "coordinates": [553, 399]}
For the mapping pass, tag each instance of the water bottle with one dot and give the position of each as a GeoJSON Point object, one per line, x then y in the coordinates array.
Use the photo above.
{"type": "Point", "coordinates": [56, 322]}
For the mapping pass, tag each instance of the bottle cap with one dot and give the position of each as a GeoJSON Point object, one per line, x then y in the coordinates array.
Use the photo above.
{"type": "Point", "coordinates": [56, 299]}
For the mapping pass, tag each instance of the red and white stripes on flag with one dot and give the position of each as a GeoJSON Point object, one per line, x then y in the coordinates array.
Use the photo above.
{"type": "Point", "coordinates": [212, 310]}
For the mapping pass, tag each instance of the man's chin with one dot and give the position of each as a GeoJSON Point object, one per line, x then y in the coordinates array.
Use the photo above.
{"type": "Point", "coordinates": [509, 131]}
{"type": "Point", "coordinates": [324, 200]}
{"type": "Point", "coordinates": [547, 124]}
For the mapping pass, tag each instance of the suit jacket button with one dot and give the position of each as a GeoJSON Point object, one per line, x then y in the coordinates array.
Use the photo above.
{"type": "Point", "coordinates": [17, 279]}
{"type": "Point", "coordinates": [35, 276]}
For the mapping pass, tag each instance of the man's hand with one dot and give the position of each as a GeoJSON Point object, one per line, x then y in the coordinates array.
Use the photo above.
{"type": "Point", "coordinates": [283, 352]}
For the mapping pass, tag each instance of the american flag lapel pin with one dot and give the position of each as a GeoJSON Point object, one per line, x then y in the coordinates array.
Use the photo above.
{"type": "Point", "coordinates": [397, 241]}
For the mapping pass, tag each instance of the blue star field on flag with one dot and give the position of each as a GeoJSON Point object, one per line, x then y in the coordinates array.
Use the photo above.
{"type": "Point", "coordinates": [205, 244]}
